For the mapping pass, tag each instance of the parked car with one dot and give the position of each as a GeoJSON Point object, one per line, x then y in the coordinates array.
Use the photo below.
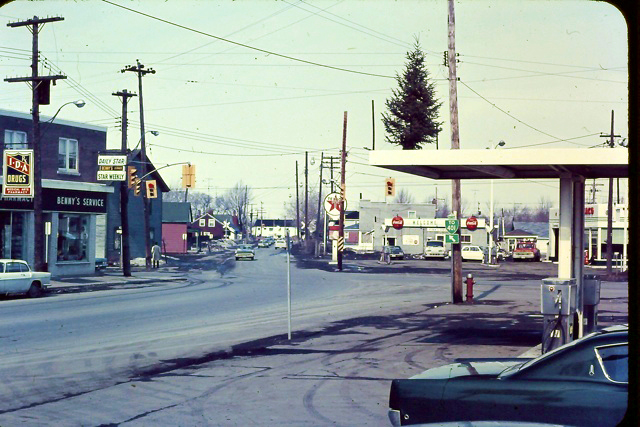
{"type": "Point", "coordinates": [526, 250]}
{"type": "Point", "coordinates": [245, 252]}
{"type": "Point", "coordinates": [280, 244]}
{"type": "Point", "coordinates": [472, 253]}
{"type": "Point", "coordinates": [263, 244]}
{"type": "Point", "coordinates": [435, 249]}
{"type": "Point", "coordinates": [101, 263]}
{"type": "Point", "coordinates": [583, 383]}
{"type": "Point", "coordinates": [16, 277]}
{"type": "Point", "coordinates": [395, 252]}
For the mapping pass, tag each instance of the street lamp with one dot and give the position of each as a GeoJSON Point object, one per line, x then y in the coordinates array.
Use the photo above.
{"type": "Point", "coordinates": [152, 132]}
{"type": "Point", "coordinates": [499, 144]}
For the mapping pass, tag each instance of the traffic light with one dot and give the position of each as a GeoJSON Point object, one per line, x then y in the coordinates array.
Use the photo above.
{"type": "Point", "coordinates": [390, 188]}
{"type": "Point", "coordinates": [152, 189]}
{"type": "Point", "coordinates": [131, 174]}
{"type": "Point", "coordinates": [188, 176]}
{"type": "Point", "coordinates": [136, 186]}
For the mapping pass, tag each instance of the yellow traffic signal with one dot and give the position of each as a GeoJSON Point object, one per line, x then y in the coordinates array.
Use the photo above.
{"type": "Point", "coordinates": [136, 186]}
{"type": "Point", "coordinates": [390, 188]}
{"type": "Point", "coordinates": [152, 189]}
{"type": "Point", "coordinates": [188, 176]}
{"type": "Point", "coordinates": [131, 174]}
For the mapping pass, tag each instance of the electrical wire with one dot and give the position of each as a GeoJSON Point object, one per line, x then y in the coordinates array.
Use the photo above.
{"type": "Point", "coordinates": [291, 58]}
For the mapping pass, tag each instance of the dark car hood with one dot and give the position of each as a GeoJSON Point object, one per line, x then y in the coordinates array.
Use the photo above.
{"type": "Point", "coordinates": [465, 368]}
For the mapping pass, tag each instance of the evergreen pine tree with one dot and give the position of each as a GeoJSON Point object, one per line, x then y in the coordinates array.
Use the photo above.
{"type": "Point", "coordinates": [411, 120]}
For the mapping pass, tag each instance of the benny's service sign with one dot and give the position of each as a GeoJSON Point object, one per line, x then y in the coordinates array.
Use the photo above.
{"type": "Point", "coordinates": [17, 172]}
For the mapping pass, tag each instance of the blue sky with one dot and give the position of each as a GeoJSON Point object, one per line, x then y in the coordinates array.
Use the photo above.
{"type": "Point", "coordinates": [534, 74]}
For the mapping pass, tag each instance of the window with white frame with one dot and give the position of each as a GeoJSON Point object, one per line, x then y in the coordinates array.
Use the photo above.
{"type": "Point", "coordinates": [212, 223]}
{"type": "Point", "coordinates": [15, 139]}
{"type": "Point", "coordinates": [465, 238]}
{"type": "Point", "coordinates": [202, 222]}
{"type": "Point", "coordinates": [67, 155]}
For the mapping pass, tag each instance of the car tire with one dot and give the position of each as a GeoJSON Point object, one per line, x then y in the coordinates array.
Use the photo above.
{"type": "Point", "coordinates": [35, 290]}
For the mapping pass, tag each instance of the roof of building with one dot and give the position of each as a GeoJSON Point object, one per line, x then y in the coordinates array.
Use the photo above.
{"type": "Point", "coordinates": [176, 212]}
{"type": "Point", "coordinates": [274, 223]}
{"type": "Point", "coordinates": [228, 220]}
{"type": "Point", "coordinates": [537, 229]}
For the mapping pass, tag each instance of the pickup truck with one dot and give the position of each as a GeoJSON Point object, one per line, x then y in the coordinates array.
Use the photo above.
{"type": "Point", "coordinates": [16, 277]}
{"type": "Point", "coordinates": [526, 251]}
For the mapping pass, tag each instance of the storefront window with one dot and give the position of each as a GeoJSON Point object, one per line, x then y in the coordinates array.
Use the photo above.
{"type": "Point", "coordinates": [73, 237]}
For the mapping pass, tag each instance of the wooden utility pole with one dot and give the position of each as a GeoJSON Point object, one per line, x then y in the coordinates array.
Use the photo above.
{"type": "Point", "coordinates": [297, 205]}
{"type": "Point", "coordinates": [610, 206]}
{"type": "Point", "coordinates": [343, 194]}
{"type": "Point", "coordinates": [141, 71]}
{"type": "Point", "coordinates": [39, 95]}
{"type": "Point", "coordinates": [456, 254]}
{"type": "Point", "coordinates": [319, 197]}
{"type": "Point", "coordinates": [124, 191]}
{"type": "Point", "coordinates": [306, 195]}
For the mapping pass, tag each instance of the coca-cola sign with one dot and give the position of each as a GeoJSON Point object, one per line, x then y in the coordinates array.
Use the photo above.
{"type": "Point", "coordinates": [397, 222]}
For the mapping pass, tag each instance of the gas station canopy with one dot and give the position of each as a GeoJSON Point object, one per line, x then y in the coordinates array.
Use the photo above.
{"type": "Point", "coordinates": [506, 163]}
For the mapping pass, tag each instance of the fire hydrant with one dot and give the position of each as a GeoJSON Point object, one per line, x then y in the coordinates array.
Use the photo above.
{"type": "Point", "coordinates": [470, 282]}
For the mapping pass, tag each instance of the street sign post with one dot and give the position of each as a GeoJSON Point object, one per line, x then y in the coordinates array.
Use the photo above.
{"type": "Point", "coordinates": [452, 225]}
{"type": "Point", "coordinates": [452, 238]}
{"type": "Point", "coordinates": [112, 168]}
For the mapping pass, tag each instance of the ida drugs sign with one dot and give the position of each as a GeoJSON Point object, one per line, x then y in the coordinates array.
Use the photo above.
{"type": "Point", "coordinates": [17, 172]}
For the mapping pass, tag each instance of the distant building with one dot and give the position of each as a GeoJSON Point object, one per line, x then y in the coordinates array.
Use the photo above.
{"type": "Point", "coordinates": [595, 229]}
{"type": "Point", "coordinates": [535, 231]}
{"type": "Point", "coordinates": [176, 217]}
{"type": "Point", "coordinates": [419, 226]}
{"type": "Point", "coordinates": [275, 228]}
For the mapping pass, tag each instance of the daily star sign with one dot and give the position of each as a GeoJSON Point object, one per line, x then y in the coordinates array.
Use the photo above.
{"type": "Point", "coordinates": [17, 171]}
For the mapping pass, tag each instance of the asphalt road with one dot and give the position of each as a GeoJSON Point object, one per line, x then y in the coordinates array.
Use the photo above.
{"type": "Point", "coordinates": [195, 353]}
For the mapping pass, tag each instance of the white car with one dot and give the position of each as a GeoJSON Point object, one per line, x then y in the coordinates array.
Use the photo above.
{"type": "Point", "coordinates": [472, 253]}
{"type": "Point", "coordinates": [280, 244]}
{"type": "Point", "coordinates": [435, 249]}
{"type": "Point", "coordinates": [16, 277]}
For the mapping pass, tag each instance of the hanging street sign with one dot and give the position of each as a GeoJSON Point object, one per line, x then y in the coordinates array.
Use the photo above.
{"type": "Point", "coordinates": [452, 225]}
{"type": "Point", "coordinates": [452, 238]}
{"type": "Point", "coordinates": [112, 168]}
{"type": "Point", "coordinates": [17, 172]}
{"type": "Point", "coordinates": [332, 205]}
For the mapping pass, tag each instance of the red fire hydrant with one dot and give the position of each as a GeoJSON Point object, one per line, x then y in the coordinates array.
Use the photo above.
{"type": "Point", "coordinates": [470, 282]}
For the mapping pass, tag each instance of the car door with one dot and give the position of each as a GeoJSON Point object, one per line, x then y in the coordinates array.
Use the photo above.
{"type": "Point", "coordinates": [14, 277]}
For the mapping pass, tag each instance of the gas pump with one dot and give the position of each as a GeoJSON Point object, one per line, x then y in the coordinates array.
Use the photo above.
{"type": "Point", "coordinates": [558, 306]}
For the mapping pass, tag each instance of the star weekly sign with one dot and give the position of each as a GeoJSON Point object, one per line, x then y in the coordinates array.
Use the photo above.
{"type": "Point", "coordinates": [17, 172]}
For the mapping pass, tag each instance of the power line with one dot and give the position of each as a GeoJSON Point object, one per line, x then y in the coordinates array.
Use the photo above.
{"type": "Point", "coordinates": [515, 118]}
{"type": "Point", "coordinates": [291, 58]}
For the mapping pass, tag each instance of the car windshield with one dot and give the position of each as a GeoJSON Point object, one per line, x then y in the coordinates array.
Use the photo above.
{"type": "Point", "coordinates": [395, 249]}
{"type": "Point", "coordinates": [435, 244]}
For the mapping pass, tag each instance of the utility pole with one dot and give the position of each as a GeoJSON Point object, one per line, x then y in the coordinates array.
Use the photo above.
{"type": "Point", "coordinates": [342, 192]}
{"type": "Point", "coordinates": [318, 234]}
{"type": "Point", "coordinates": [124, 190]}
{"type": "Point", "coordinates": [610, 206]}
{"type": "Point", "coordinates": [373, 125]}
{"type": "Point", "coordinates": [141, 71]}
{"type": "Point", "coordinates": [39, 95]}
{"type": "Point", "coordinates": [456, 254]}
{"type": "Point", "coordinates": [297, 205]}
{"type": "Point", "coordinates": [306, 195]}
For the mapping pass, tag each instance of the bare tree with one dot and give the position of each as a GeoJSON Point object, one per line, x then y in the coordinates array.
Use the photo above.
{"type": "Point", "coordinates": [236, 202]}
{"type": "Point", "coordinates": [200, 202]}
{"type": "Point", "coordinates": [312, 211]}
{"type": "Point", "coordinates": [404, 196]}
{"type": "Point", "coordinates": [541, 214]}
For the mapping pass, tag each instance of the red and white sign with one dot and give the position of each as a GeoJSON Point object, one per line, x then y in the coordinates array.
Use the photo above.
{"type": "Point", "coordinates": [397, 222]}
{"type": "Point", "coordinates": [17, 173]}
{"type": "Point", "coordinates": [472, 223]}
{"type": "Point", "coordinates": [332, 205]}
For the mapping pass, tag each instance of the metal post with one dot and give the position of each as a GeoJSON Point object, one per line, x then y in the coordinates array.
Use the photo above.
{"type": "Point", "coordinates": [288, 285]}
